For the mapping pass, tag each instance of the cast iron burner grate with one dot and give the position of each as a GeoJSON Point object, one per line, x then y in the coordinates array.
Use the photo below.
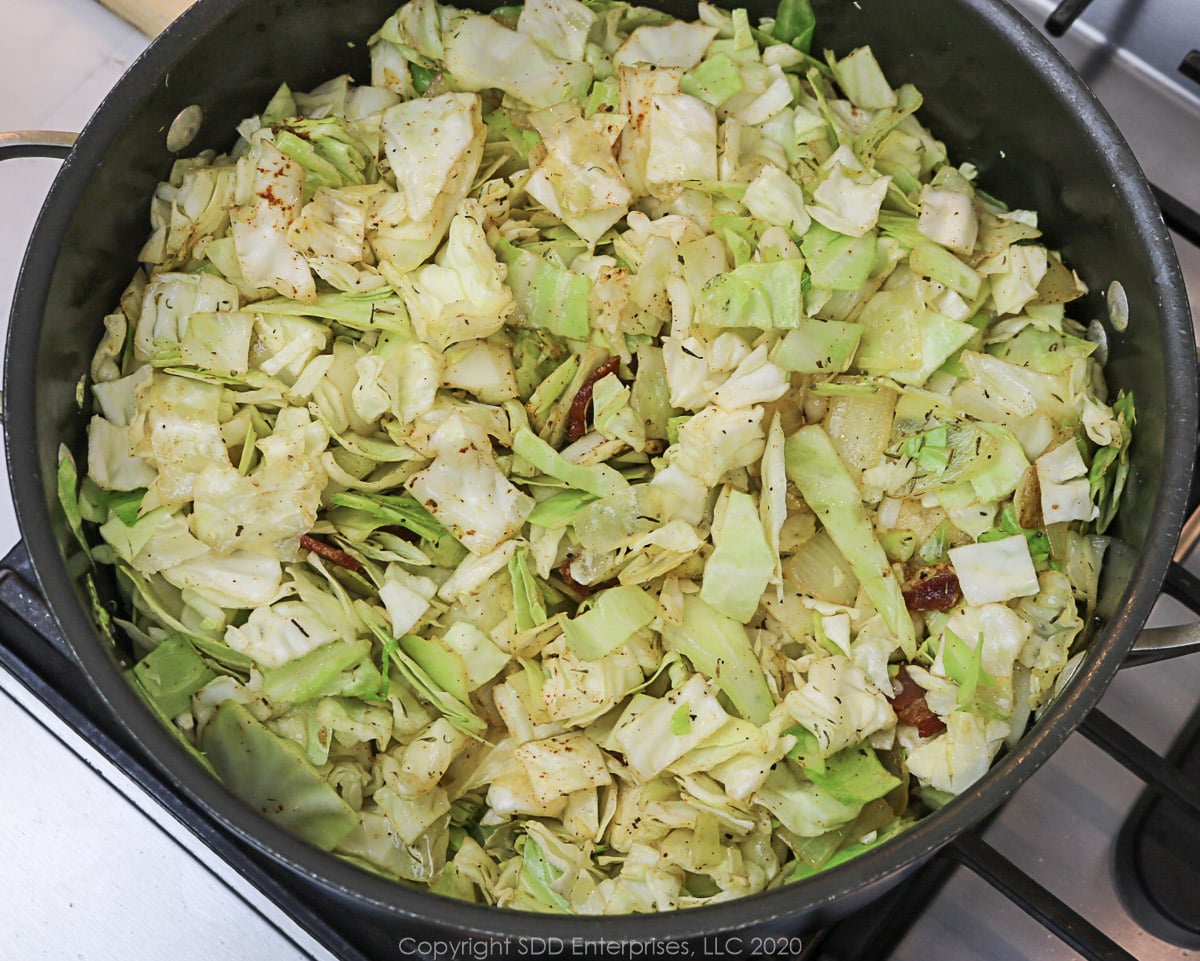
{"type": "Point", "coordinates": [1158, 853]}
{"type": "Point", "coordinates": [1178, 216]}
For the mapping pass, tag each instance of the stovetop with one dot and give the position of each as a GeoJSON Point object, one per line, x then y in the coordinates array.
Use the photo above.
{"type": "Point", "coordinates": [92, 867]}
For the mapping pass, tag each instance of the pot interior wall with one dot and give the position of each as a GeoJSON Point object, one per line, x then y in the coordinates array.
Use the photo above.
{"type": "Point", "coordinates": [983, 96]}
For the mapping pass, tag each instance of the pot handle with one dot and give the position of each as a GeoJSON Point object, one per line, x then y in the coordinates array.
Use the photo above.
{"type": "Point", "coordinates": [1162, 643]}
{"type": "Point", "coordinates": [51, 144]}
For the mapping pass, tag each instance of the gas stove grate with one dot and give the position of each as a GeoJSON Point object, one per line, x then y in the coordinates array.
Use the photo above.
{"type": "Point", "coordinates": [1190, 66]}
{"type": "Point", "coordinates": [1179, 216]}
{"type": "Point", "coordinates": [1064, 15]}
{"type": "Point", "coordinates": [1158, 851]}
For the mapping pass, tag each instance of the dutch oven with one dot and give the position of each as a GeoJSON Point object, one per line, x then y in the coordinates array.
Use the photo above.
{"type": "Point", "coordinates": [995, 92]}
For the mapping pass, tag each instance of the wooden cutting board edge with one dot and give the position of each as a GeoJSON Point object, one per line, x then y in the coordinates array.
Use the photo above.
{"type": "Point", "coordinates": [149, 16]}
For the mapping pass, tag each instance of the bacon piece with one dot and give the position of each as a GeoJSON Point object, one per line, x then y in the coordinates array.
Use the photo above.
{"type": "Point", "coordinates": [564, 571]}
{"type": "Point", "coordinates": [330, 553]}
{"type": "Point", "coordinates": [402, 532]}
{"type": "Point", "coordinates": [911, 708]}
{"type": "Point", "coordinates": [932, 589]}
{"type": "Point", "coordinates": [582, 591]}
{"type": "Point", "coordinates": [577, 416]}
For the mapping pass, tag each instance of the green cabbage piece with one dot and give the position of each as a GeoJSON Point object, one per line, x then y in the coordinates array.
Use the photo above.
{"type": "Point", "coordinates": [991, 476]}
{"type": "Point", "coordinates": [457, 711]}
{"type": "Point", "coordinates": [168, 303]}
{"type": "Point", "coordinates": [171, 673]}
{"type": "Point", "coordinates": [802, 806]}
{"type": "Point", "coordinates": [741, 565]}
{"type": "Point", "coordinates": [467, 492]}
{"type": "Point", "coordinates": [937, 263]}
{"type": "Point", "coordinates": [861, 78]}
{"type": "Point", "coordinates": [560, 508]}
{"type": "Point", "coordinates": [836, 261]}
{"type": "Point", "coordinates": [854, 775]}
{"type": "Point", "coordinates": [415, 29]}
{"type": "Point", "coordinates": [482, 54]}
{"type": "Point", "coordinates": [651, 396]}
{"type": "Point", "coordinates": [815, 468]}
{"type": "Point", "coordinates": [644, 730]}
{"type": "Point", "coordinates": [794, 23]}
{"type": "Point", "coordinates": [578, 178]}
{"type": "Point", "coordinates": [310, 675]}
{"type": "Point", "coordinates": [547, 295]}
{"type": "Point", "coordinates": [776, 198]}
{"type": "Point", "coordinates": [374, 310]}
{"type": "Point", "coordinates": [613, 616]}
{"type": "Point", "coordinates": [766, 296]}
{"type": "Point", "coordinates": [272, 776]}
{"type": "Point", "coordinates": [445, 668]}
{"type": "Point", "coordinates": [259, 224]}
{"type": "Point", "coordinates": [612, 413]}
{"type": "Point", "coordinates": [600, 479]}
{"type": "Point", "coordinates": [905, 340]}
{"type": "Point", "coordinates": [719, 648]}
{"type": "Point", "coordinates": [528, 607]}
{"type": "Point", "coordinates": [67, 487]}
{"type": "Point", "coordinates": [852, 850]}
{"type": "Point", "coordinates": [482, 658]}
{"type": "Point", "coordinates": [714, 80]}
{"type": "Point", "coordinates": [818, 347]}
{"type": "Point", "coordinates": [462, 294]}
{"type": "Point", "coordinates": [434, 146]}
{"type": "Point", "coordinates": [559, 26]}
{"type": "Point", "coordinates": [1047, 351]}
{"type": "Point", "coordinates": [328, 150]}
{"type": "Point", "coordinates": [940, 337]}
{"type": "Point", "coordinates": [402, 510]}
{"type": "Point", "coordinates": [1110, 464]}
{"type": "Point", "coordinates": [848, 198]}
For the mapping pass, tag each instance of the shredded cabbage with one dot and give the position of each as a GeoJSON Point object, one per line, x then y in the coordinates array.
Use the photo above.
{"type": "Point", "coordinates": [538, 470]}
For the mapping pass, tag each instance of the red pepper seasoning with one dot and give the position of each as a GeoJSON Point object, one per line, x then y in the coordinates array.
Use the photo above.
{"type": "Point", "coordinates": [330, 553]}
{"type": "Point", "coordinates": [577, 417]}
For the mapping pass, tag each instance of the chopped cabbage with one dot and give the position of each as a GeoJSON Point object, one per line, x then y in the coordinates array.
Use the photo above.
{"type": "Point", "coordinates": [519, 469]}
{"type": "Point", "coordinates": [466, 491]}
{"type": "Point", "coordinates": [994, 571]}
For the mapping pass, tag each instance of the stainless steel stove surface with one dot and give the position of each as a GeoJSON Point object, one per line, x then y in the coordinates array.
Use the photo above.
{"type": "Point", "coordinates": [92, 868]}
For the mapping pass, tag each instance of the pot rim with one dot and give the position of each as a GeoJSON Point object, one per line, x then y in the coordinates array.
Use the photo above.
{"type": "Point", "coordinates": [818, 894]}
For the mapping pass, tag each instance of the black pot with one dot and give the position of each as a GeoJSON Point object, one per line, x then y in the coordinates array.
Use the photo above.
{"type": "Point", "coordinates": [997, 94]}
